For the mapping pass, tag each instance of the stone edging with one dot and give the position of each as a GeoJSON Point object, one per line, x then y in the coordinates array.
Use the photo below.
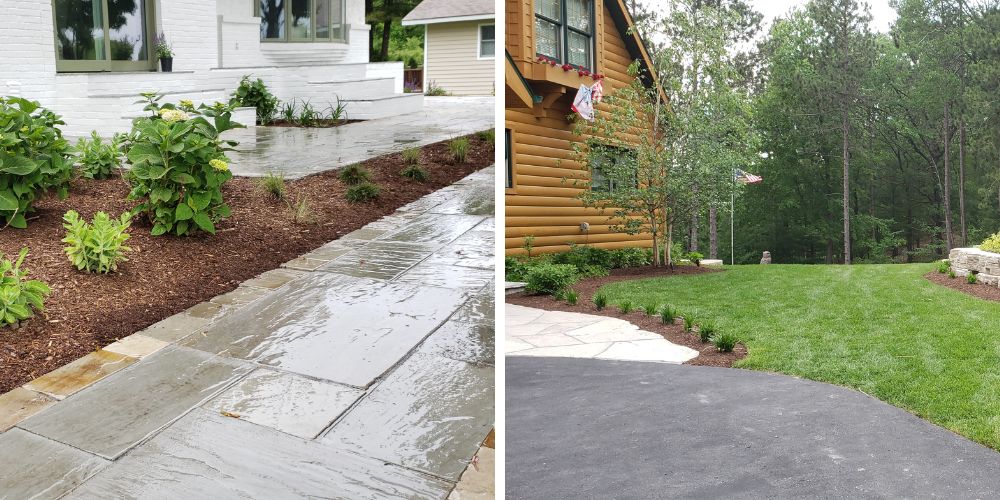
{"type": "Point", "coordinates": [986, 265]}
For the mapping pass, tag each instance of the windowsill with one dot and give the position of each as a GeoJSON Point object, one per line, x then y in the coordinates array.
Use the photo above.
{"type": "Point", "coordinates": [116, 73]}
{"type": "Point", "coordinates": [555, 74]}
{"type": "Point", "coordinates": [283, 46]}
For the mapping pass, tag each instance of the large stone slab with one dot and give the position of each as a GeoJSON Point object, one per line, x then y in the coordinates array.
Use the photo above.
{"type": "Point", "coordinates": [117, 413]}
{"type": "Point", "coordinates": [379, 260]}
{"type": "Point", "coordinates": [38, 468]}
{"type": "Point", "coordinates": [434, 229]}
{"type": "Point", "coordinates": [79, 374]}
{"type": "Point", "coordinates": [447, 276]}
{"type": "Point", "coordinates": [209, 456]}
{"type": "Point", "coordinates": [19, 404]}
{"type": "Point", "coordinates": [474, 199]}
{"type": "Point", "coordinates": [472, 249]}
{"type": "Point", "coordinates": [333, 327]}
{"type": "Point", "coordinates": [431, 413]}
{"type": "Point", "coordinates": [289, 403]}
{"type": "Point", "coordinates": [472, 342]}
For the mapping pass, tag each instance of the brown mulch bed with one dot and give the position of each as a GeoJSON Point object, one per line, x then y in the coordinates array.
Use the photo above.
{"type": "Point", "coordinates": [168, 274]}
{"type": "Point", "coordinates": [708, 354]}
{"type": "Point", "coordinates": [987, 292]}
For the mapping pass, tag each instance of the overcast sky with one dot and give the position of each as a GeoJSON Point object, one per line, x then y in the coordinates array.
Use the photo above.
{"type": "Point", "coordinates": [882, 14]}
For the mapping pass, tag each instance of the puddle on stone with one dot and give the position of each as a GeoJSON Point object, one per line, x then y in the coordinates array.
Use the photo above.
{"type": "Point", "coordinates": [430, 414]}
{"type": "Point", "coordinates": [446, 276]}
{"type": "Point", "coordinates": [334, 327]}
{"type": "Point", "coordinates": [434, 228]}
{"type": "Point", "coordinates": [479, 309]}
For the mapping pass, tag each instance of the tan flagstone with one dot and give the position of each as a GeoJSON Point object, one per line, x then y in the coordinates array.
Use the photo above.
{"type": "Point", "coordinates": [137, 346]}
{"type": "Point", "coordinates": [478, 482]}
{"type": "Point", "coordinates": [20, 404]}
{"type": "Point", "coordinates": [79, 374]}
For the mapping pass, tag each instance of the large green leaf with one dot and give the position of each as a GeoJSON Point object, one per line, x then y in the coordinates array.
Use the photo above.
{"type": "Point", "coordinates": [204, 222]}
{"type": "Point", "coordinates": [17, 165]}
{"type": "Point", "coordinates": [8, 201]}
{"type": "Point", "coordinates": [144, 153]}
{"type": "Point", "coordinates": [183, 212]}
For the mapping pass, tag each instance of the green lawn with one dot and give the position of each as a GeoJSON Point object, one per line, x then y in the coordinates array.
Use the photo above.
{"type": "Point", "coordinates": [882, 329]}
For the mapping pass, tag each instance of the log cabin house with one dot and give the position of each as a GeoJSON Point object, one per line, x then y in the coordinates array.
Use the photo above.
{"type": "Point", "coordinates": [541, 197]}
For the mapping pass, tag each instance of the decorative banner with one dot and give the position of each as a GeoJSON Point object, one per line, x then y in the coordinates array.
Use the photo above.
{"type": "Point", "coordinates": [597, 92]}
{"type": "Point", "coordinates": [583, 104]}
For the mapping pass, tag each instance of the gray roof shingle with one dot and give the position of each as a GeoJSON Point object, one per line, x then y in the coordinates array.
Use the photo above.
{"type": "Point", "coordinates": [429, 10]}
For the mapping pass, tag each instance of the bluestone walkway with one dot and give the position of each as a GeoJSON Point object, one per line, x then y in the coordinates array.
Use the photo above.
{"type": "Point", "coordinates": [537, 332]}
{"type": "Point", "coordinates": [361, 370]}
{"type": "Point", "coordinates": [612, 429]}
{"type": "Point", "coordinates": [297, 152]}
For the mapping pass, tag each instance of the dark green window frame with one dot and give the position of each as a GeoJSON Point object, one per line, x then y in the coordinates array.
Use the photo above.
{"type": "Point", "coordinates": [564, 30]}
{"type": "Point", "coordinates": [601, 182]}
{"type": "Point", "coordinates": [98, 65]}
{"type": "Point", "coordinates": [332, 26]}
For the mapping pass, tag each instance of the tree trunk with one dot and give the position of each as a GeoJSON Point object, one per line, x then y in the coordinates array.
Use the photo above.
{"type": "Point", "coordinates": [693, 247]}
{"type": "Point", "coordinates": [713, 232]}
{"type": "Point", "coordinates": [947, 180]}
{"type": "Point", "coordinates": [847, 172]}
{"type": "Point", "coordinates": [961, 182]}
{"type": "Point", "coordinates": [670, 243]}
{"type": "Point", "coordinates": [369, 8]}
{"type": "Point", "coordinates": [386, 32]}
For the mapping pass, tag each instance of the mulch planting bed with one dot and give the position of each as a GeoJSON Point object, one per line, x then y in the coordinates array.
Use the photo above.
{"type": "Point", "coordinates": [168, 274]}
{"type": "Point", "coordinates": [586, 288]}
{"type": "Point", "coordinates": [983, 291]}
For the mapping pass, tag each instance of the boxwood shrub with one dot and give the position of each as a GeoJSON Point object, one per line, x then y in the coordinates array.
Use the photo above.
{"type": "Point", "coordinates": [550, 278]}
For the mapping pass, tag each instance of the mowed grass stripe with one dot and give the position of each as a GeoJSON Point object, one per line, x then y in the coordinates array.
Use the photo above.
{"type": "Point", "coordinates": [882, 329]}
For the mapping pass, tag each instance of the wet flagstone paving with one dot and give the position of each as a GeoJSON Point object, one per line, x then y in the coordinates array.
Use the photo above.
{"type": "Point", "coordinates": [363, 369]}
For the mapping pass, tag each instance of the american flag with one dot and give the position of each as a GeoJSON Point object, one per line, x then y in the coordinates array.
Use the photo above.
{"type": "Point", "coordinates": [747, 177]}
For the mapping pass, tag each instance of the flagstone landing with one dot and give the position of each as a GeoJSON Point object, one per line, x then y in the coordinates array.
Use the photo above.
{"type": "Point", "coordinates": [336, 375]}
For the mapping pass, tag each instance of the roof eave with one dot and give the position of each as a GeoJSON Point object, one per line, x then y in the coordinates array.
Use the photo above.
{"type": "Point", "coordinates": [451, 19]}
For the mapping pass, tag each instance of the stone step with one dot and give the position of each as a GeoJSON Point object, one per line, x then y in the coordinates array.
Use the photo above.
{"type": "Point", "coordinates": [381, 107]}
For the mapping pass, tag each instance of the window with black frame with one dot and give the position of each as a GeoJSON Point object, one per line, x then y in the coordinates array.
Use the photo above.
{"type": "Point", "coordinates": [104, 35]}
{"type": "Point", "coordinates": [564, 31]}
{"type": "Point", "coordinates": [301, 20]}
{"type": "Point", "coordinates": [509, 157]}
{"type": "Point", "coordinates": [607, 164]}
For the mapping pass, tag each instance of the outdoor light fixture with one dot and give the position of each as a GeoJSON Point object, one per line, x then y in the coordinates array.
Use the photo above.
{"type": "Point", "coordinates": [584, 227]}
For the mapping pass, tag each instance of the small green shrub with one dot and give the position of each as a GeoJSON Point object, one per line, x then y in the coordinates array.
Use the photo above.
{"type": "Point", "coordinates": [459, 149]}
{"type": "Point", "coordinates": [667, 315]}
{"type": "Point", "coordinates": [705, 331]}
{"type": "Point", "coordinates": [970, 278]}
{"type": "Point", "coordinates": [724, 341]}
{"type": "Point", "coordinates": [34, 158]}
{"type": "Point", "coordinates": [179, 165]}
{"type": "Point", "coordinates": [434, 90]}
{"type": "Point", "coordinates": [626, 306]}
{"type": "Point", "coordinates": [549, 279]}
{"type": "Point", "coordinates": [20, 297]}
{"type": "Point", "coordinates": [97, 159]}
{"type": "Point", "coordinates": [695, 257]}
{"type": "Point", "coordinates": [514, 269]}
{"type": "Point", "coordinates": [600, 301]}
{"type": "Point", "coordinates": [354, 174]}
{"type": "Point", "coordinates": [274, 186]}
{"type": "Point", "coordinates": [308, 116]}
{"type": "Point", "coordinates": [302, 213]}
{"type": "Point", "coordinates": [688, 323]}
{"type": "Point", "coordinates": [571, 297]}
{"type": "Point", "coordinates": [528, 244]}
{"type": "Point", "coordinates": [944, 266]}
{"type": "Point", "coordinates": [951, 273]}
{"type": "Point", "coordinates": [288, 112]}
{"type": "Point", "coordinates": [97, 247]}
{"type": "Point", "coordinates": [255, 93]}
{"type": "Point", "coordinates": [629, 257]}
{"type": "Point", "coordinates": [364, 192]}
{"type": "Point", "coordinates": [411, 156]}
{"type": "Point", "coordinates": [588, 260]}
{"type": "Point", "coordinates": [416, 173]}
{"type": "Point", "coordinates": [991, 244]}
{"type": "Point", "coordinates": [651, 309]}
{"type": "Point", "coordinates": [488, 135]}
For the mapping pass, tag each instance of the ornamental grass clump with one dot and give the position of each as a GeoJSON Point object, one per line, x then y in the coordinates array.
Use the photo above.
{"type": "Point", "coordinates": [667, 315]}
{"type": "Point", "coordinates": [944, 266]}
{"type": "Point", "coordinates": [364, 192]}
{"type": "Point", "coordinates": [688, 323]}
{"type": "Point", "coordinates": [179, 165]}
{"type": "Point", "coordinates": [626, 306]}
{"type": "Point", "coordinates": [724, 341]}
{"type": "Point", "coordinates": [411, 156]}
{"type": "Point", "coordinates": [651, 309]}
{"type": "Point", "coordinates": [415, 173]}
{"type": "Point", "coordinates": [97, 159]}
{"type": "Point", "coordinates": [274, 186]}
{"type": "Point", "coordinates": [20, 297]}
{"type": "Point", "coordinates": [571, 297]}
{"type": "Point", "coordinates": [97, 247]}
{"type": "Point", "coordinates": [354, 174]}
{"type": "Point", "coordinates": [970, 278]}
{"type": "Point", "coordinates": [34, 158]}
{"type": "Point", "coordinates": [706, 331]}
{"type": "Point", "coordinates": [600, 301]}
{"type": "Point", "coordinates": [459, 149]}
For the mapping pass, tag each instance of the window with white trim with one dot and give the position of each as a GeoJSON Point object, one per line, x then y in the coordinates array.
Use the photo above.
{"type": "Point", "coordinates": [487, 41]}
{"type": "Point", "coordinates": [564, 31]}
{"type": "Point", "coordinates": [301, 20]}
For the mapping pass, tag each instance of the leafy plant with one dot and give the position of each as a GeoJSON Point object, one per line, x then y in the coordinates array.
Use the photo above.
{"type": "Point", "coordinates": [256, 94]}
{"type": "Point", "coordinates": [179, 166]}
{"type": "Point", "coordinates": [302, 213]}
{"type": "Point", "coordinates": [359, 193]}
{"type": "Point", "coordinates": [354, 174]}
{"type": "Point", "coordinates": [411, 156]}
{"type": "Point", "coordinates": [600, 301]}
{"type": "Point", "coordinates": [514, 268]}
{"type": "Point", "coordinates": [667, 315]}
{"type": "Point", "coordinates": [434, 90]}
{"type": "Point", "coordinates": [705, 331]}
{"type": "Point", "coordinates": [34, 158]}
{"type": "Point", "coordinates": [970, 278]}
{"type": "Point", "coordinates": [459, 149]}
{"type": "Point", "coordinates": [549, 278]}
{"type": "Point", "coordinates": [571, 297]}
{"type": "Point", "coordinates": [288, 112]}
{"type": "Point", "coordinates": [626, 306]}
{"type": "Point", "coordinates": [337, 112]}
{"type": "Point", "coordinates": [651, 309]}
{"type": "Point", "coordinates": [415, 172]}
{"type": "Point", "coordinates": [97, 159]}
{"type": "Point", "coordinates": [20, 297]}
{"type": "Point", "coordinates": [688, 323]}
{"type": "Point", "coordinates": [951, 273]}
{"type": "Point", "coordinates": [528, 244]}
{"type": "Point", "coordinates": [724, 341]}
{"type": "Point", "coordinates": [308, 115]}
{"type": "Point", "coordinates": [274, 185]}
{"type": "Point", "coordinates": [162, 47]}
{"type": "Point", "coordinates": [991, 244]}
{"type": "Point", "coordinates": [97, 247]}
{"type": "Point", "coordinates": [695, 257]}
{"type": "Point", "coordinates": [944, 266]}
{"type": "Point", "coordinates": [488, 135]}
{"type": "Point", "coordinates": [629, 257]}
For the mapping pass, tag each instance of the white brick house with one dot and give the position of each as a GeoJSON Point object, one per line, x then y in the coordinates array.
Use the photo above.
{"type": "Point", "coordinates": [91, 72]}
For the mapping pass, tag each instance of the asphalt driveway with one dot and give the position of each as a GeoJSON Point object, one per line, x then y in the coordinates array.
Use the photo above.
{"type": "Point", "coordinates": [585, 428]}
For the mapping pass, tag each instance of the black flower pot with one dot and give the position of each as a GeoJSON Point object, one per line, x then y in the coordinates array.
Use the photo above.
{"type": "Point", "coordinates": [166, 64]}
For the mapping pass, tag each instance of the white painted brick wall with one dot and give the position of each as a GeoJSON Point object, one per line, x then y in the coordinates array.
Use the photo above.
{"type": "Point", "coordinates": [206, 67]}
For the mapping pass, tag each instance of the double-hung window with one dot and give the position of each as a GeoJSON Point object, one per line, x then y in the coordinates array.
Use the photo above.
{"type": "Point", "coordinates": [301, 20]}
{"type": "Point", "coordinates": [564, 31]}
{"type": "Point", "coordinates": [104, 35]}
{"type": "Point", "coordinates": [610, 167]}
{"type": "Point", "coordinates": [487, 41]}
